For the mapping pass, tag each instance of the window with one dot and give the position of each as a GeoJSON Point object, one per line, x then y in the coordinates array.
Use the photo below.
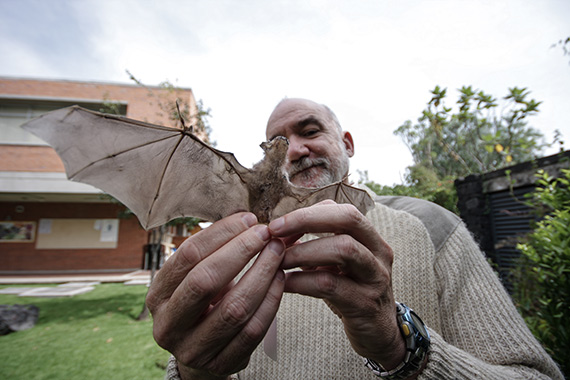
{"type": "Point", "coordinates": [15, 112]}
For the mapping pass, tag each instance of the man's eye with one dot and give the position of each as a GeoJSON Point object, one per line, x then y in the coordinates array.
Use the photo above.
{"type": "Point", "coordinates": [310, 132]}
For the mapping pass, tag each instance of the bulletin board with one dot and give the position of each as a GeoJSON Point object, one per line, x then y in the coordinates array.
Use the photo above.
{"type": "Point", "coordinates": [77, 234]}
{"type": "Point", "coordinates": [17, 232]}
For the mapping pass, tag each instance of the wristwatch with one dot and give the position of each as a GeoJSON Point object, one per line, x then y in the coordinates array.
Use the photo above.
{"type": "Point", "coordinates": [417, 343]}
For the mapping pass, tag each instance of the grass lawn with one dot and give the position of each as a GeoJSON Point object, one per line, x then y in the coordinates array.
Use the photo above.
{"type": "Point", "coordinates": [88, 336]}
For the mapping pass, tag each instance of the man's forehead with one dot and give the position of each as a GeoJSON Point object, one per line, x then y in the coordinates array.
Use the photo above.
{"type": "Point", "coordinates": [295, 113]}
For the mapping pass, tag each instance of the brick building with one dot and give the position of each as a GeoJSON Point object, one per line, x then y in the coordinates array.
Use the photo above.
{"type": "Point", "coordinates": [48, 223]}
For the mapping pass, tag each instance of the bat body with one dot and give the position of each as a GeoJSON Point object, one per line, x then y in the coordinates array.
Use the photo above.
{"type": "Point", "coordinates": [163, 173]}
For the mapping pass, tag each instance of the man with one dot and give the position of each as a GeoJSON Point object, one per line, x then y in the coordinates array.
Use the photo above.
{"type": "Point", "coordinates": [404, 250]}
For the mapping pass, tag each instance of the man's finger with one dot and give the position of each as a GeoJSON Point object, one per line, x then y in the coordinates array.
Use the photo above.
{"type": "Point", "coordinates": [214, 273]}
{"type": "Point", "coordinates": [226, 320]}
{"type": "Point", "coordinates": [326, 217]}
{"type": "Point", "coordinates": [351, 257]}
{"type": "Point", "coordinates": [250, 336]}
{"type": "Point", "coordinates": [348, 297]}
{"type": "Point", "coordinates": [192, 251]}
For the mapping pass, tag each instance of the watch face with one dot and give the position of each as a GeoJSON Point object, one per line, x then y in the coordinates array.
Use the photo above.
{"type": "Point", "coordinates": [419, 324]}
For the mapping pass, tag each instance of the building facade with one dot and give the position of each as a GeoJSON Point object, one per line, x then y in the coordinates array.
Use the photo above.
{"type": "Point", "coordinates": [49, 224]}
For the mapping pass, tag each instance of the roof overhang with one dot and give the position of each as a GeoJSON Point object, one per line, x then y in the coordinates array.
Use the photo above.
{"type": "Point", "coordinates": [46, 187]}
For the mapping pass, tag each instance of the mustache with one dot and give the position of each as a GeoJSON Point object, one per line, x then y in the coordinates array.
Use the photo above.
{"type": "Point", "coordinates": [303, 163]}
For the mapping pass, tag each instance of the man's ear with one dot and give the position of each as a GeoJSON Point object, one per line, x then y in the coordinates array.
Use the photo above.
{"type": "Point", "coordinates": [348, 143]}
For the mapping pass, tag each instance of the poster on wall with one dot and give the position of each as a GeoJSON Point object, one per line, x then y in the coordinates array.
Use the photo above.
{"type": "Point", "coordinates": [109, 229]}
{"type": "Point", "coordinates": [17, 232]}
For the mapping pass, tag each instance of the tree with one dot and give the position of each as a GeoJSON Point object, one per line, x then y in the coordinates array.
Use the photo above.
{"type": "Point", "coordinates": [440, 192]}
{"type": "Point", "coordinates": [446, 144]}
{"type": "Point", "coordinates": [472, 139]}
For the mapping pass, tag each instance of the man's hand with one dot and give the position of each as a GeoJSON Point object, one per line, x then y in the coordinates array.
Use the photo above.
{"type": "Point", "coordinates": [210, 324]}
{"type": "Point", "coordinates": [351, 270]}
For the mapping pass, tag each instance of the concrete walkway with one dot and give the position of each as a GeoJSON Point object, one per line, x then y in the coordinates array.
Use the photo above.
{"type": "Point", "coordinates": [68, 285]}
{"type": "Point", "coordinates": [136, 277]}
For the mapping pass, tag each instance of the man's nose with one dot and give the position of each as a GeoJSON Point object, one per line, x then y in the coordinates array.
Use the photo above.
{"type": "Point", "coordinates": [297, 149]}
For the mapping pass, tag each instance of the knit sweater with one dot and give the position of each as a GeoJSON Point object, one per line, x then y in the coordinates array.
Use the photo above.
{"type": "Point", "coordinates": [439, 271]}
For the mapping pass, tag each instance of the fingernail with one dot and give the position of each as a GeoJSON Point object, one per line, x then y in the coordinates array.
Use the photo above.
{"type": "Point", "coordinates": [280, 275]}
{"type": "Point", "coordinates": [263, 232]}
{"type": "Point", "coordinates": [276, 246]}
{"type": "Point", "coordinates": [277, 224]}
{"type": "Point", "coordinates": [249, 219]}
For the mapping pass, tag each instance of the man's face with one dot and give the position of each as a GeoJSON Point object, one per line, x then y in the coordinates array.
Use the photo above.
{"type": "Point", "coordinates": [318, 151]}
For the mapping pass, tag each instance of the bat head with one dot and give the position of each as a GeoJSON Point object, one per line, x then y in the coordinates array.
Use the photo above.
{"type": "Point", "coordinates": [277, 145]}
{"type": "Point", "coordinates": [275, 153]}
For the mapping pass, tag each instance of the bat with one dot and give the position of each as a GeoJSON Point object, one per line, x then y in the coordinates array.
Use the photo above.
{"type": "Point", "coordinates": [162, 173]}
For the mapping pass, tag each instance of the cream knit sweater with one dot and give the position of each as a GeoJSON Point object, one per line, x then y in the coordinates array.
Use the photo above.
{"type": "Point", "coordinates": [476, 332]}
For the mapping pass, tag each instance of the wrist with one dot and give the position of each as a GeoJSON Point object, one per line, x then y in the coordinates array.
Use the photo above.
{"type": "Point", "coordinates": [417, 342]}
{"type": "Point", "coordinates": [396, 355]}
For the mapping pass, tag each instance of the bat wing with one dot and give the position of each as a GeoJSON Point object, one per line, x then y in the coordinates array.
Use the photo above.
{"type": "Point", "coordinates": [159, 173]}
{"type": "Point", "coordinates": [339, 192]}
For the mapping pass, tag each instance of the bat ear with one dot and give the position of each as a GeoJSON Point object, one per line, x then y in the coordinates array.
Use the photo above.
{"type": "Point", "coordinates": [265, 145]}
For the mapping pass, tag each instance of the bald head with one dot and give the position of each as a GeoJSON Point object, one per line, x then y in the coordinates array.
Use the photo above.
{"type": "Point", "coordinates": [299, 108]}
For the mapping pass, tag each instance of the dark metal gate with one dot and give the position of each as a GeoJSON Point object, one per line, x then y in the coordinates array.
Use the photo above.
{"type": "Point", "coordinates": [511, 219]}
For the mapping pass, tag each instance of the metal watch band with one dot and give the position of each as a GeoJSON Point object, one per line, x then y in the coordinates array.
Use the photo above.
{"type": "Point", "coordinates": [417, 344]}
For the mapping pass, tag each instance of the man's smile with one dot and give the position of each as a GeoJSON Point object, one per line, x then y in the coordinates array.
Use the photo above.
{"type": "Point", "coordinates": [307, 177]}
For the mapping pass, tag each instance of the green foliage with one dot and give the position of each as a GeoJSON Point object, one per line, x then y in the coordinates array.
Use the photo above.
{"type": "Point", "coordinates": [110, 106]}
{"type": "Point", "coordinates": [88, 336]}
{"type": "Point", "coordinates": [440, 192]}
{"type": "Point", "coordinates": [397, 190]}
{"type": "Point", "coordinates": [429, 187]}
{"type": "Point", "coordinates": [472, 139]}
{"type": "Point", "coordinates": [202, 123]}
{"type": "Point", "coordinates": [542, 285]}
{"type": "Point", "coordinates": [447, 144]}
{"type": "Point", "coordinates": [189, 222]}
{"type": "Point", "coordinates": [565, 44]}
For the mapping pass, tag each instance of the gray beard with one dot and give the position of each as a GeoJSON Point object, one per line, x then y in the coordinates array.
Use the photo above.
{"type": "Point", "coordinates": [327, 176]}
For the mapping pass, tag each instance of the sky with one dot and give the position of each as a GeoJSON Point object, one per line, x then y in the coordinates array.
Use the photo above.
{"type": "Point", "coordinates": [373, 63]}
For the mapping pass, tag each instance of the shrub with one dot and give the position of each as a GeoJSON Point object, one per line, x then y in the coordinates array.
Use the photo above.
{"type": "Point", "coordinates": [542, 285]}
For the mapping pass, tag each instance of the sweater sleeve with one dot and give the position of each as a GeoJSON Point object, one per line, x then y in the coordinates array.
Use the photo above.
{"type": "Point", "coordinates": [172, 369]}
{"type": "Point", "coordinates": [172, 372]}
{"type": "Point", "coordinates": [482, 335]}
